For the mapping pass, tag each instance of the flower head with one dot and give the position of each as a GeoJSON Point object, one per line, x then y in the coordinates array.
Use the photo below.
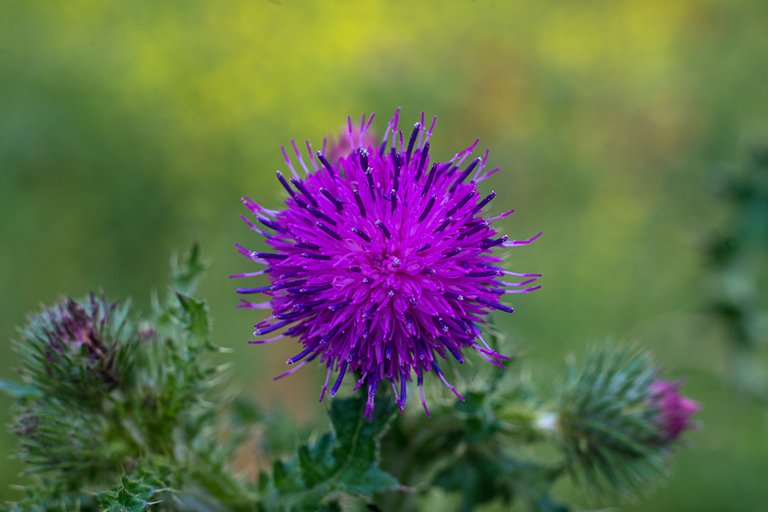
{"type": "Point", "coordinates": [76, 326]}
{"type": "Point", "coordinates": [383, 261]}
{"type": "Point", "coordinates": [616, 421]}
{"type": "Point", "coordinates": [74, 347]}
{"type": "Point", "coordinates": [674, 410]}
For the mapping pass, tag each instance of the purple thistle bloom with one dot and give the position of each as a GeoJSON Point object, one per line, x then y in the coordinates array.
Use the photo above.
{"type": "Point", "coordinates": [382, 261]}
{"type": "Point", "coordinates": [674, 410]}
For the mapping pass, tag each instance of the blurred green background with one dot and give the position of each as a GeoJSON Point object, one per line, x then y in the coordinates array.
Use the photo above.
{"type": "Point", "coordinates": [128, 130]}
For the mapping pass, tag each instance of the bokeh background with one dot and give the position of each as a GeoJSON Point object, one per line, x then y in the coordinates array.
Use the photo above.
{"type": "Point", "coordinates": [128, 130]}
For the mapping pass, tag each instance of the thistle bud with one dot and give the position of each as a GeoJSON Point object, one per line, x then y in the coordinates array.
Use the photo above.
{"type": "Point", "coordinates": [75, 348]}
{"type": "Point", "coordinates": [70, 326]}
{"type": "Point", "coordinates": [616, 420]}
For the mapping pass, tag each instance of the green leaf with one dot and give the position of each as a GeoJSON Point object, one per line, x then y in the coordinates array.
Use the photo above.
{"type": "Point", "coordinates": [345, 460]}
{"type": "Point", "coordinates": [486, 473]}
{"type": "Point", "coordinates": [478, 478]}
{"type": "Point", "coordinates": [194, 316]}
{"type": "Point", "coordinates": [50, 497]}
{"type": "Point", "coordinates": [333, 506]}
{"type": "Point", "coordinates": [135, 494]}
{"type": "Point", "coordinates": [187, 270]}
{"type": "Point", "coordinates": [357, 450]}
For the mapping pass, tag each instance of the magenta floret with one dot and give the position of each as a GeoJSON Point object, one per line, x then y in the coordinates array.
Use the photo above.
{"type": "Point", "coordinates": [675, 411]}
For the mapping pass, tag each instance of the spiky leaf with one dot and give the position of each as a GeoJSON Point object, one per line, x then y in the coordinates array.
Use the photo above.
{"type": "Point", "coordinates": [187, 270]}
{"type": "Point", "coordinates": [136, 493]}
{"type": "Point", "coordinates": [345, 460]}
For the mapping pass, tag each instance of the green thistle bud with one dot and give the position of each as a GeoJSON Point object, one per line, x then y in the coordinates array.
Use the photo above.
{"type": "Point", "coordinates": [76, 364]}
{"type": "Point", "coordinates": [76, 349]}
{"type": "Point", "coordinates": [608, 421]}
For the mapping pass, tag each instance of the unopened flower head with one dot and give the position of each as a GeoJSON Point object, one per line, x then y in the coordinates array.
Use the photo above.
{"type": "Point", "coordinates": [74, 345]}
{"type": "Point", "coordinates": [616, 421]}
{"type": "Point", "coordinates": [383, 260]}
{"type": "Point", "coordinates": [72, 325]}
{"type": "Point", "coordinates": [675, 411]}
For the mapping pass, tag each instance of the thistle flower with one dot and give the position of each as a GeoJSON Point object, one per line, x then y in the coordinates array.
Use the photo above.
{"type": "Point", "coordinates": [383, 260]}
{"type": "Point", "coordinates": [674, 410]}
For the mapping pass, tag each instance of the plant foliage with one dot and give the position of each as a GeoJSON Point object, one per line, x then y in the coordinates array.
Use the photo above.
{"type": "Point", "coordinates": [117, 412]}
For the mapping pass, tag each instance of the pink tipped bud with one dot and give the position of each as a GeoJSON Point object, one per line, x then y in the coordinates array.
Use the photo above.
{"type": "Point", "coordinates": [675, 410]}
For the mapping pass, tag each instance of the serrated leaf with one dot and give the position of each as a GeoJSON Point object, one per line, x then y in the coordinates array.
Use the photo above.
{"type": "Point", "coordinates": [345, 460]}
{"type": "Point", "coordinates": [187, 270]}
{"type": "Point", "coordinates": [357, 452]}
{"type": "Point", "coordinates": [194, 316]}
{"type": "Point", "coordinates": [135, 494]}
